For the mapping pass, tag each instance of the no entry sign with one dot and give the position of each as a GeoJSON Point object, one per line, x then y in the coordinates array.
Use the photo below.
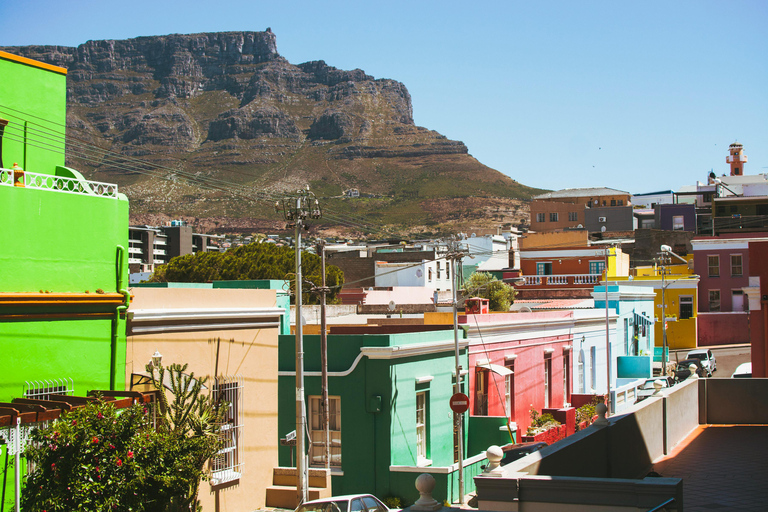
{"type": "Point", "coordinates": [459, 403]}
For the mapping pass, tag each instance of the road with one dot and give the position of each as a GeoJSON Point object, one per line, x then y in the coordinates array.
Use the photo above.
{"type": "Point", "coordinates": [728, 358]}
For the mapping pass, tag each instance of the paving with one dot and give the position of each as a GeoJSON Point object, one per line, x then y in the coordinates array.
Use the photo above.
{"type": "Point", "coordinates": [723, 467]}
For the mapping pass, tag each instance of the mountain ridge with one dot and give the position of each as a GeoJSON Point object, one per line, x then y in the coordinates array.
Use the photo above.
{"type": "Point", "coordinates": [227, 109]}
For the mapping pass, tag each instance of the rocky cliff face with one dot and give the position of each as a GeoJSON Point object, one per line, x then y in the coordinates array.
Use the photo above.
{"type": "Point", "coordinates": [229, 107]}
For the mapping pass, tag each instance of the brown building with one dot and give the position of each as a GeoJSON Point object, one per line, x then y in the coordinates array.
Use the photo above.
{"type": "Point", "coordinates": [566, 209]}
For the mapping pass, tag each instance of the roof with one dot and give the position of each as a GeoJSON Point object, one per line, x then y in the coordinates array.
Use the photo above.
{"type": "Point", "coordinates": [581, 192]}
{"type": "Point", "coordinates": [33, 63]}
{"type": "Point", "coordinates": [653, 193]}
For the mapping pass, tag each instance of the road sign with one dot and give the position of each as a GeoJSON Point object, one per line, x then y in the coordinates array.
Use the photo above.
{"type": "Point", "coordinates": [459, 403]}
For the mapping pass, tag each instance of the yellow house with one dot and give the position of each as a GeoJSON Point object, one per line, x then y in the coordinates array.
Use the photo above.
{"type": "Point", "coordinates": [678, 299]}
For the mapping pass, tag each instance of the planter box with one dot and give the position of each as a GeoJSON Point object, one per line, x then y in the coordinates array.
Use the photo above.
{"type": "Point", "coordinates": [550, 436]}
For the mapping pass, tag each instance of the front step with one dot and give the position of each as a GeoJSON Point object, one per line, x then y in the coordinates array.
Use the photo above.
{"type": "Point", "coordinates": [282, 492]}
{"type": "Point", "coordinates": [284, 496]}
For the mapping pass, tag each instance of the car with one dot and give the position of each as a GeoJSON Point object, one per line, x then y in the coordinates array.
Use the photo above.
{"type": "Point", "coordinates": [707, 359]}
{"type": "Point", "coordinates": [513, 451]}
{"type": "Point", "coordinates": [345, 503]}
{"type": "Point", "coordinates": [743, 371]}
{"type": "Point", "coordinates": [647, 388]}
{"type": "Point", "coordinates": [682, 372]}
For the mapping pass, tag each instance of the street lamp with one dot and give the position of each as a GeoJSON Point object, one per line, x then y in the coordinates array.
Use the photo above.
{"type": "Point", "coordinates": [156, 360]}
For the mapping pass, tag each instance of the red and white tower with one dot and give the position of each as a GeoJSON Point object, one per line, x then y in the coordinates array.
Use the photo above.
{"type": "Point", "coordinates": [737, 159]}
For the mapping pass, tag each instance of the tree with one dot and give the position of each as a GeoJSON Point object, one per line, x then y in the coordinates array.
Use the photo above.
{"type": "Point", "coordinates": [96, 458]}
{"type": "Point", "coordinates": [253, 261]}
{"type": "Point", "coordinates": [500, 295]}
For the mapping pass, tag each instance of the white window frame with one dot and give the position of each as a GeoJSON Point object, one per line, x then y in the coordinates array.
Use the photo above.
{"type": "Point", "coordinates": [678, 223]}
{"type": "Point", "coordinates": [580, 372]}
{"type": "Point", "coordinates": [740, 265]}
{"type": "Point", "coordinates": [715, 302]}
{"type": "Point", "coordinates": [422, 452]}
{"type": "Point", "coordinates": [592, 366]}
{"type": "Point", "coordinates": [547, 379]}
{"type": "Point", "coordinates": [226, 464]}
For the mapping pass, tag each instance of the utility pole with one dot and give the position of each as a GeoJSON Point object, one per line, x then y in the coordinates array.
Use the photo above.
{"type": "Point", "coordinates": [296, 210]}
{"type": "Point", "coordinates": [455, 256]}
{"type": "Point", "coordinates": [323, 290]}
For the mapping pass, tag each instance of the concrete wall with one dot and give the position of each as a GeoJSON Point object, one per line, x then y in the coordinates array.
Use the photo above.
{"type": "Point", "coordinates": [734, 401]}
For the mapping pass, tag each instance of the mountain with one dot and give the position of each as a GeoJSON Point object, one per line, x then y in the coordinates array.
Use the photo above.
{"type": "Point", "coordinates": [227, 125]}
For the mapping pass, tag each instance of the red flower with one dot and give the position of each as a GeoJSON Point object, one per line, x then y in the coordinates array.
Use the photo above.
{"type": "Point", "coordinates": [130, 454]}
{"type": "Point", "coordinates": [111, 446]}
{"type": "Point", "coordinates": [53, 465]}
{"type": "Point", "coordinates": [99, 415]}
{"type": "Point", "coordinates": [95, 440]}
{"type": "Point", "coordinates": [119, 462]}
{"type": "Point", "coordinates": [74, 422]}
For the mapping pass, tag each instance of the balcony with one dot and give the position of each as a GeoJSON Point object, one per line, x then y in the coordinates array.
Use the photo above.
{"type": "Point", "coordinates": [562, 280]}
{"type": "Point", "coordinates": [735, 158]}
{"type": "Point", "coordinates": [63, 184]}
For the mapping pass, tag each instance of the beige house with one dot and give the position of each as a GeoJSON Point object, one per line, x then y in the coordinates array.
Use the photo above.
{"type": "Point", "coordinates": [230, 336]}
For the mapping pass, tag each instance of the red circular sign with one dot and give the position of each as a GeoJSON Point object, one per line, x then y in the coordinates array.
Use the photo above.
{"type": "Point", "coordinates": [459, 403]}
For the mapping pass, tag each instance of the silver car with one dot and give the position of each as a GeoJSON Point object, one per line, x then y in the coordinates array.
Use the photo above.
{"type": "Point", "coordinates": [647, 388]}
{"type": "Point", "coordinates": [347, 503]}
{"type": "Point", "coordinates": [707, 359]}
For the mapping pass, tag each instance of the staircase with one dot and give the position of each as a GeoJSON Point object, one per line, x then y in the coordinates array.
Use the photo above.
{"type": "Point", "coordinates": [282, 492]}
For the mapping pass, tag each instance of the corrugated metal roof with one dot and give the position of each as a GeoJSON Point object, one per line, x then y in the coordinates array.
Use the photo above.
{"type": "Point", "coordinates": [581, 192]}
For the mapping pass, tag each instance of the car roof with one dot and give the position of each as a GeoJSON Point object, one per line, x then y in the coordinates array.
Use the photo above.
{"type": "Point", "coordinates": [744, 367]}
{"type": "Point", "coordinates": [337, 498]}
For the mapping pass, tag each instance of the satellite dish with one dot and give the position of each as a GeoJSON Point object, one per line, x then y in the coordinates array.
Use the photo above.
{"type": "Point", "coordinates": [370, 289]}
{"type": "Point", "coordinates": [391, 306]}
{"type": "Point", "coordinates": [602, 229]}
{"type": "Point", "coordinates": [419, 273]}
{"type": "Point", "coordinates": [579, 226]}
{"type": "Point", "coordinates": [525, 309]}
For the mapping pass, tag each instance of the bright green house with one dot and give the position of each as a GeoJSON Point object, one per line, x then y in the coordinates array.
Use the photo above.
{"type": "Point", "coordinates": [63, 259]}
{"type": "Point", "coordinates": [390, 417]}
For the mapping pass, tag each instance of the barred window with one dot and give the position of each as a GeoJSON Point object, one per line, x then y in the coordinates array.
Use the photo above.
{"type": "Point", "coordinates": [736, 267]}
{"type": "Point", "coordinates": [714, 300]}
{"type": "Point", "coordinates": [226, 465]}
{"type": "Point", "coordinates": [48, 389]}
{"type": "Point", "coordinates": [714, 265]}
{"type": "Point", "coordinates": [540, 217]}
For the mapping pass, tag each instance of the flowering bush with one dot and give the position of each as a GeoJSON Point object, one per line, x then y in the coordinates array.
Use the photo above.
{"type": "Point", "coordinates": [96, 458]}
{"type": "Point", "coordinates": [540, 422]}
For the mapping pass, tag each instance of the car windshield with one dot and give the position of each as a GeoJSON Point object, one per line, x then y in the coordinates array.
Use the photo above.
{"type": "Point", "coordinates": [324, 506]}
{"type": "Point", "coordinates": [649, 384]}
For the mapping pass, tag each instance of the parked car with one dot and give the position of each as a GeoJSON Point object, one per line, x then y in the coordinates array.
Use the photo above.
{"type": "Point", "coordinates": [707, 359]}
{"type": "Point", "coordinates": [512, 451]}
{"type": "Point", "coordinates": [346, 503]}
{"type": "Point", "coordinates": [647, 388]}
{"type": "Point", "coordinates": [682, 372]}
{"type": "Point", "coordinates": [743, 371]}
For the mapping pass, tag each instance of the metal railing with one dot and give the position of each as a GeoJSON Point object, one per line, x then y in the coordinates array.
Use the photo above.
{"type": "Point", "coordinates": [60, 184]}
{"type": "Point", "coordinates": [562, 280]}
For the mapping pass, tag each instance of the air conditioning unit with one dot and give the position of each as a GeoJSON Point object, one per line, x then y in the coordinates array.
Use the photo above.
{"type": "Point", "coordinates": [601, 219]}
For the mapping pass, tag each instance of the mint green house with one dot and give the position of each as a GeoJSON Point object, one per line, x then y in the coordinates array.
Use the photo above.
{"type": "Point", "coordinates": [390, 417]}
{"type": "Point", "coordinates": [63, 259]}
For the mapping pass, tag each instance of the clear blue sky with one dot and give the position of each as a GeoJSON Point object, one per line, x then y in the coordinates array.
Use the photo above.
{"type": "Point", "coordinates": [638, 96]}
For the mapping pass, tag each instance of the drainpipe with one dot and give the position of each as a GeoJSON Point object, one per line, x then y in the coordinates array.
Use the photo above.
{"type": "Point", "coordinates": [120, 310]}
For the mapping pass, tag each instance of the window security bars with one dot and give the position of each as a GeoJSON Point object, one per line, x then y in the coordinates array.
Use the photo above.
{"type": "Point", "coordinates": [226, 465]}
{"type": "Point", "coordinates": [48, 389]}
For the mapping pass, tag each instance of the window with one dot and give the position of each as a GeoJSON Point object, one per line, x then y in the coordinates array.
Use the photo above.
{"type": "Point", "coordinates": [481, 392]}
{"type": "Point", "coordinates": [707, 197]}
{"type": "Point", "coordinates": [678, 223]}
{"type": "Point", "coordinates": [736, 268]}
{"type": "Point", "coordinates": [580, 372]}
{"type": "Point", "coordinates": [447, 271]}
{"type": "Point", "coordinates": [626, 336]}
{"type": "Point", "coordinates": [226, 465]}
{"type": "Point", "coordinates": [620, 202]}
{"type": "Point", "coordinates": [592, 367]}
{"type": "Point", "coordinates": [553, 217]}
{"type": "Point", "coordinates": [686, 307]}
{"type": "Point", "coordinates": [566, 378]}
{"type": "Point", "coordinates": [714, 265]}
{"type": "Point", "coordinates": [48, 389]}
{"type": "Point", "coordinates": [714, 300]}
{"type": "Point", "coordinates": [438, 269]}
{"type": "Point", "coordinates": [510, 391]}
{"type": "Point", "coordinates": [573, 216]}
{"type": "Point", "coordinates": [596, 267]}
{"type": "Point", "coordinates": [547, 380]}
{"type": "Point", "coordinates": [613, 202]}
{"type": "Point", "coordinates": [429, 274]}
{"type": "Point", "coordinates": [316, 434]}
{"type": "Point", "coordinates": [421, 426]}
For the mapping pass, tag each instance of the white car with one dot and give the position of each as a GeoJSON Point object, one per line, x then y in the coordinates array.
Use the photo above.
{"type": "Point", "coordinates": [707, 359]}
{"type": "Point", "coordinates": [743, 371]}
{"type": "Point", "coordinates": [647, 388]}
{"type": "Point", "coordinates": [347, 503]}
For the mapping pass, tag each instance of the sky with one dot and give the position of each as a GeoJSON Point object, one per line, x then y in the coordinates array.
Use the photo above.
{"type": "Point", "coordinates": [636, 96]}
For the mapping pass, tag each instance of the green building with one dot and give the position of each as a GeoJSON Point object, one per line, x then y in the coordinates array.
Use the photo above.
{"type": "Point", "coordinates": [63, 259]}
{"type": "Point", "coordinates": [390, 417]}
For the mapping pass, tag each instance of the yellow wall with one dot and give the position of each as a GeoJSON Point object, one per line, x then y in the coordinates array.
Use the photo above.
{"type": "Point", "coordinates": [251, 353]}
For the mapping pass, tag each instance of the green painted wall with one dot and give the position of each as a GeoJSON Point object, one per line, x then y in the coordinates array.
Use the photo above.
{"type": "Point", "coordinates": [372, 441]}
{"type": "Point", "coordinates": [33, 100]}
{"type": "Point", "coordinates": [56, 242]}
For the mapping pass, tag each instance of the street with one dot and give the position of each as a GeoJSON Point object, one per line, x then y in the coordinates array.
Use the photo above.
{"type": "Point", "coordinates": [728, 358]}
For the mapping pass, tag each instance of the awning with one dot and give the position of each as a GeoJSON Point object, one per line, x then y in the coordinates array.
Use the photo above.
{"type": "Point", "coordinates": [495, 368]}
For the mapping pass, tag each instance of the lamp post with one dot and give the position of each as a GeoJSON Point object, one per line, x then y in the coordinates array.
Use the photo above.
{"type": "Point", "coordinates": [456, 256]}
{"type": "Point", "coordinates": [296, 210]}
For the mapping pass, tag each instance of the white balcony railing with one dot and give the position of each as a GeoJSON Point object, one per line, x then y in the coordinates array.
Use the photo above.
{"type": "Point", "coordinates": [532, 280]}
{"type": "Point", "coordinates": [562, 280]}
{"type": "Point", "coordinates": [552, 280]}
{"type": "Point", "coordinates": [586, 278]}
{"type": "Point", "coordinates": [60, 184]}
